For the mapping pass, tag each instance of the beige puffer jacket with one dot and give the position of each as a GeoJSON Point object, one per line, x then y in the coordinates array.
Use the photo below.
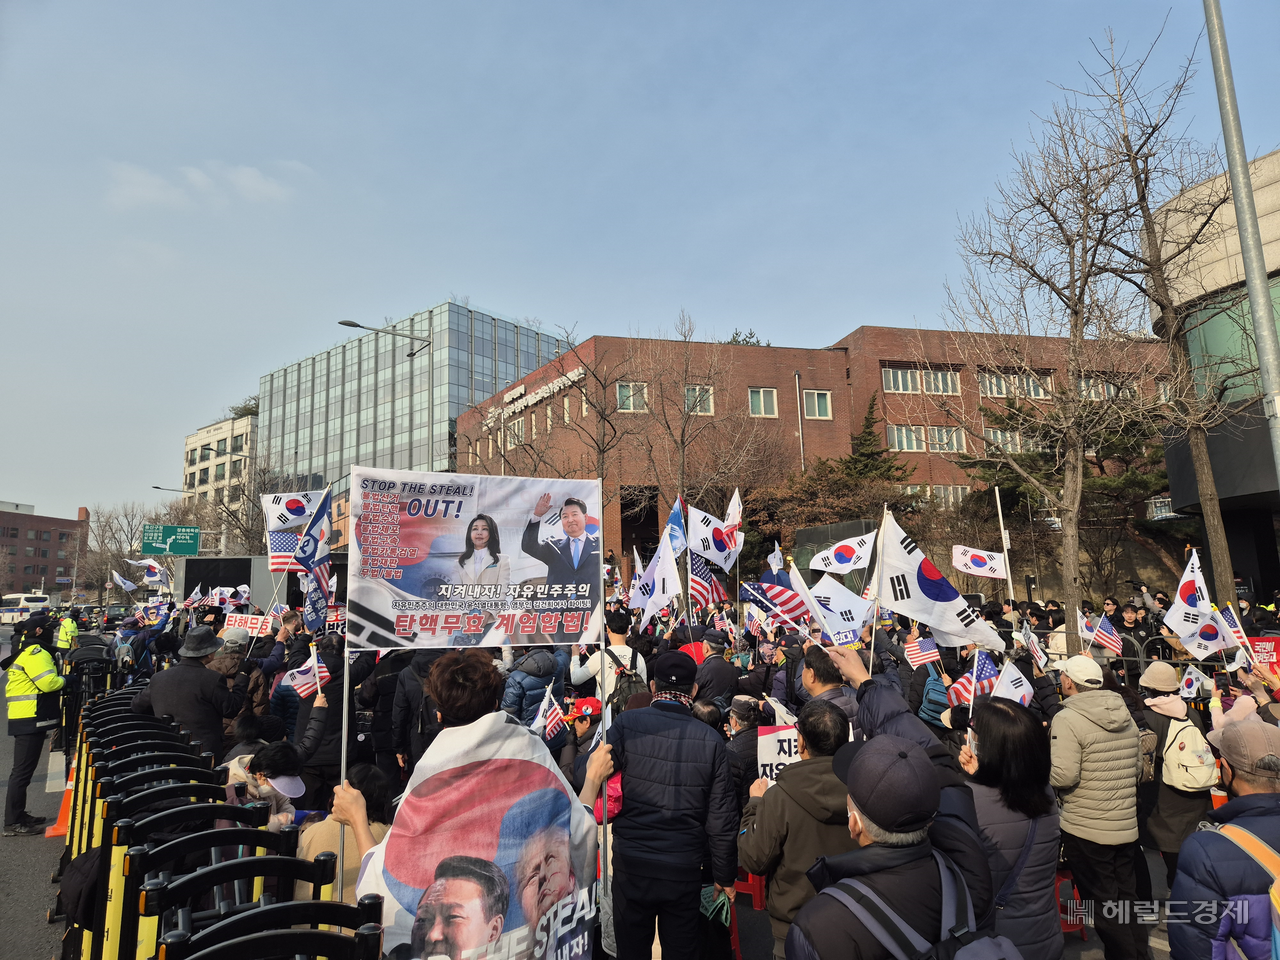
{"type": "Point", "coordinates": [1096, 764]}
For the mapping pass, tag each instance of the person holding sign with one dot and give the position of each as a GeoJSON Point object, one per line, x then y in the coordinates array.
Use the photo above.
{"type": "Point", "coordinates": [784, 830]}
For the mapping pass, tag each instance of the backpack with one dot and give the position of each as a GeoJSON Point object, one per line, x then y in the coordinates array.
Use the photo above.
{"type": "Point", "coordinates": [1148, 742]}
{"type": "Point", "coordinates": [1188, 762]}
{"type": "Point", "coordinates": [627, 683]}
{"type": "Point", "coordinates": [1268, 860]}
{"type": "Point", "coordinates": [958, 938]}
{"type": "Point", "coordinates": [935, 699]}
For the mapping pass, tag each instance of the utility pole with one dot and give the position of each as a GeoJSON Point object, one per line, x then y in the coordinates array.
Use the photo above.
{"type": "Point", "coordinates": [1266, 343]}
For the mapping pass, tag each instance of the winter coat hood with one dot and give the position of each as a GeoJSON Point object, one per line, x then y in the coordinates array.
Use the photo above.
{"type": "Point", "coordinates": [1104, 708]}
{"type": "Point", "coordinates": [814, 788]}
{"type": "Point", "coordinates": [1170, 705]}
{"type": "Point", "coordinates": [537, 663]}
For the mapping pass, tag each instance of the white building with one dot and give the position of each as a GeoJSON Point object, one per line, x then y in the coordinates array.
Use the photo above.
{"type": "Point", "coordinates": [217, 459]}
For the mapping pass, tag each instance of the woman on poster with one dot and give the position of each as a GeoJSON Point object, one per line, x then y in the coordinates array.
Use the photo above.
{"type": "Point", "coordinates": [482, 561]}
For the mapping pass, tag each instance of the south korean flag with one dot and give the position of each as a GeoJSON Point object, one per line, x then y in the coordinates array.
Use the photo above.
{"type": "Point", "coordinates": [1190, 607]}
{"type": "Point", "coordinates": [285, 510]}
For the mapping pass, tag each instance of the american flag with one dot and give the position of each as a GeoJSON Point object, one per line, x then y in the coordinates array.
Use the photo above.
{"type": "Point", "coordinates": [1106, 635]}
{"type": "Point", "coordinates": [704, 588]}
{"type": "Point", "coordinates": [754, 618]}
{"type": "Point", "coordinates": [281, 546]}
{"type": "Point", "coordinates": [981, 679]}
{"type": "Point", "coordinates": [788, 604]}
{"type": "Point", "coordinates": [192, 600]}
{"type": "Point", "coordinates": [921, 651]}
{"type": "Point", "coordinates": [313, 549]}
{"type": "Point", "coordinates": [549, 717]}
{"type": "Point", "coordinates": [304, 679]}
{"type": "Point", "coordinates": [721, 622]}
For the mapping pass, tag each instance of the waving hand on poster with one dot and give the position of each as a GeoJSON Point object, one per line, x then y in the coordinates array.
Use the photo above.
{"type": "Point", "coordinates": [443, 559]}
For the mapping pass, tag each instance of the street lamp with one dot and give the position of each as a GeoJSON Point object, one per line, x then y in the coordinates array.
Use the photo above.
{"type": "Point", "coordinates": [168, 489]}
{"type": "Point", "coordinates": [426, 341]}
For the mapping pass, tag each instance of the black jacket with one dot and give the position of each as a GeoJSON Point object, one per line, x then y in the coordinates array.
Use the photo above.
{"type": "Point", "coordinates": [413, 724]}
{"type": "Point", "coordinates": [1045, 701]}
{"type": "Point", "coordinates": [744, 747]}
{"type": "Point", "coordinates": [378, 693]}
{"type": "Point", "coordinates": [329, 753]}
{"type": "Point", "coordinates": [678, 795]}
{"type": "Point", "coordinates": [717, 677]}
{"type": "Point", "coordinates": [196, 697]}
{"type": "Point", "coordinates": [906, 878]}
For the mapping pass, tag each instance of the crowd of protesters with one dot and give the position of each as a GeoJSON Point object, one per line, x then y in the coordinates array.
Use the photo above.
{"type": "Point", "coordinates": [898, 803]}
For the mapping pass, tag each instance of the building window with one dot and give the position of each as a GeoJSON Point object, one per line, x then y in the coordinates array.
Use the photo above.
{"type": "Point", "coordinates": [940, 381]}
{"type": "Point", "coordinates": [31, 534]}
{"type": "Point", "coordinates": [206, 453]}
{"type": "Point", "coordinates": [1095, 388]}
{"type": "Point", "coordinates": [44, 569]}
{"type": "Point", "coordinates": [817, 404]}
{"type": "Point", "coordinates": [191, 481]}
{"type": "Point", "coordinates": [1006, 441]}
{"type": "Point", "coordinates": [1164, 390]}
{"type": "Point", "coordinates": [220, 472]}
{"type": "Point", "coordinates": [1035, 386]}
{"type": "Point", "coordinates": [550, 419]}
{"type": "Point", "coordinates": [910, 489]}
{"type": "Point", "coordinates": [584, 404]}
{"type": "Point", "coordinates": [191, 457]}
{"type": "Point", "coordinates": [515, 433]}
{"type": "Point", "coordinates": [62, 554]}
{"type": "Point", "coordinates": [698, 400]}
{"type": "Point", "coordinates": [992, 384]}
{"type": "Point", "coordinates": [237, 468]}
{"type": "Point", "coordinates": [217, 494]}
{"type": "Point", "coordinates": [946, 440]}
{"type": "Point", "coordinates": [44, 554]}
{"type": "Point", "coordinates": [204, 494]}
{"type": "Point", "coordinates": [28, 569]}
{"type": "Point", "coordinates": [234, 496]}
{"type": "Point", "coordinates": [764, 401]}
{"type": "Point", "coordinates": [948, 496]}
{"type": "Point", "coordinates": [566, 409]}
{"type": "Point", "coordinates": [907, 439]}
{"type": "Point", "coordinates": [237, 443]}
{"type": "Point", "coordinates": [222, 447]}
{"type": "Point", "coordinates": [31, 551]}
{"type": "Point", "coordinates": [204, 476]}
{"type": "Point", "coordinates": [60, 571]}
{"type": "Point", "coordinates": [63, 537]}
{"type": "Point", "coordinates": [633, 397]}
{"type": "Point", "coordinates": [901, 379]}
{"type": "Point", "coordinates": [45, 535]}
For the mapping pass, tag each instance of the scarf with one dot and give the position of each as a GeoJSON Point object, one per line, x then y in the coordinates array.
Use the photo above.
{"type": "Point", "coordinates": [674, 696]}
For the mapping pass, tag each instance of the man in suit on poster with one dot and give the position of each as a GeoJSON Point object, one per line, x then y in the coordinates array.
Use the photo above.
{"type": "Point", "coordinates": [571, 562]}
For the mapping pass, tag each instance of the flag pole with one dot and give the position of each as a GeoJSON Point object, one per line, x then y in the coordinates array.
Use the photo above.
{"type": "Point", "coordinates": [342, 761]}
{"type": "Point", "coordinates": [1004, 540]}
{"type": "Point", "coordinates": [604, 726]}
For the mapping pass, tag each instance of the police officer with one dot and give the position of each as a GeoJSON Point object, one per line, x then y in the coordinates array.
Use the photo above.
{"type": "Point", "coordinates": [68, 631]}
{"type": "Point", "coordinates": [31, 691]}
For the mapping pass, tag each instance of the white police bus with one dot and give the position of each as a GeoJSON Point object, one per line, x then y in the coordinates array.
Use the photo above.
{"type": "Point", "coordinates": [19, 606]}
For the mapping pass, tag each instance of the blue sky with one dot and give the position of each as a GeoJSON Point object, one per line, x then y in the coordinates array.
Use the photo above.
{"type": "Point", "coordinates": [194, 194]}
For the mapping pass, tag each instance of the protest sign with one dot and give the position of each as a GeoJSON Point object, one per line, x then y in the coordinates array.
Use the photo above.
{"type": "Point", "coordinates": [445, 559]}
{"type": "Point", "coordinates": [775, 748]}
{"type": "Point", "coordinates": [490, 854]}
{"type": "Point", "coordinates": [1264, 650]}
{"type": "Point", "coordinates": [257, 626]}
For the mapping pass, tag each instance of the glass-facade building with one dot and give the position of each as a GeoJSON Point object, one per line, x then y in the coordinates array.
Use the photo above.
{"type": "Point", "coordinates": [365, 402]}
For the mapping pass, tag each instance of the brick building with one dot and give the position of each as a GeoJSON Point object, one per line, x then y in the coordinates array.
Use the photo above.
{"type": "Point", "coordinates": [37, 552]}
{"type": "Point", "coordinates": [619, 407]}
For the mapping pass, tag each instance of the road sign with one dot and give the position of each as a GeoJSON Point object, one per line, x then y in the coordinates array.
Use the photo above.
{"type": "Point", "coordinates": [167, 541]}
{"type": "Point", "coordinates": [62, 580]}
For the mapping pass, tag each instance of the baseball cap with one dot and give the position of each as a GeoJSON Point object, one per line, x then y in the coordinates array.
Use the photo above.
{"type": "Point", "coordinates": [292, 787]}
{"type": "Point", "coordinates": [891, 780]}
{"type": "Point", "coordinates": [1243, 744]}
{"type": "Point", "coordinates": [1082, 670]}
{"type": "Point", "coordinates": [585, 707]}
{"type": "Point", "coordinates": [234, 638]}
{"type": "Point", "coordinates": [676, 668]}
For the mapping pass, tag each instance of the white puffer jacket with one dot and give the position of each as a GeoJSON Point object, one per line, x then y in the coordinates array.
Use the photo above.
{"type": "Point", "coordinates": [1096, 764]}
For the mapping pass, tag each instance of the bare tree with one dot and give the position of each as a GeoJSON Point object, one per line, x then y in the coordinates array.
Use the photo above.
{"type": "Point", "coordinates": [688, 444]}
{"type": "Point", "coordinates": [1039, 263]}
{"type": "Point", "coordinates": [1175, 189]}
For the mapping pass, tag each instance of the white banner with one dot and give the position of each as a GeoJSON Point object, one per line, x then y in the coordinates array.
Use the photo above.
{"type": "Point", "coordinates": [775, 748]}
{"type": "Point", "coordinates": [257, 626]}
{"type": "Point", "coordinates": [447, 559]}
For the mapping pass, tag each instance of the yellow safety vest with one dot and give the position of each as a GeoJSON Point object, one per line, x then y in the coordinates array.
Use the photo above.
{"type": "Point", "coordinates": [32, 684]}
{"type": "Point", "coordinates": [67, 633]}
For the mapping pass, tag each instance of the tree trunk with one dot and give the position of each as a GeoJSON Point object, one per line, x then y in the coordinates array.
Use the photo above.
{"type": "Point", "coordinates": [1072, 485]}
{"type": "Point", "coordinates": [1224, 581]}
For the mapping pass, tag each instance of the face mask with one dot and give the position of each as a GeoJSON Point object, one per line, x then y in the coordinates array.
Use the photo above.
{"type": "Point", "coordinates": [266, 790]}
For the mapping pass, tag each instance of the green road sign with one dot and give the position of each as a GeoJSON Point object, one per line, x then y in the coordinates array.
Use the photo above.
{"type": "Point", "coordinates": [169, 541]}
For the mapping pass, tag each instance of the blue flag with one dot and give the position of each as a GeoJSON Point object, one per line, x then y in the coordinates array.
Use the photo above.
{"type": "Point", "coordinates": [313, 555]}
{"type": "Point", "coordinates": [675, 528]}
